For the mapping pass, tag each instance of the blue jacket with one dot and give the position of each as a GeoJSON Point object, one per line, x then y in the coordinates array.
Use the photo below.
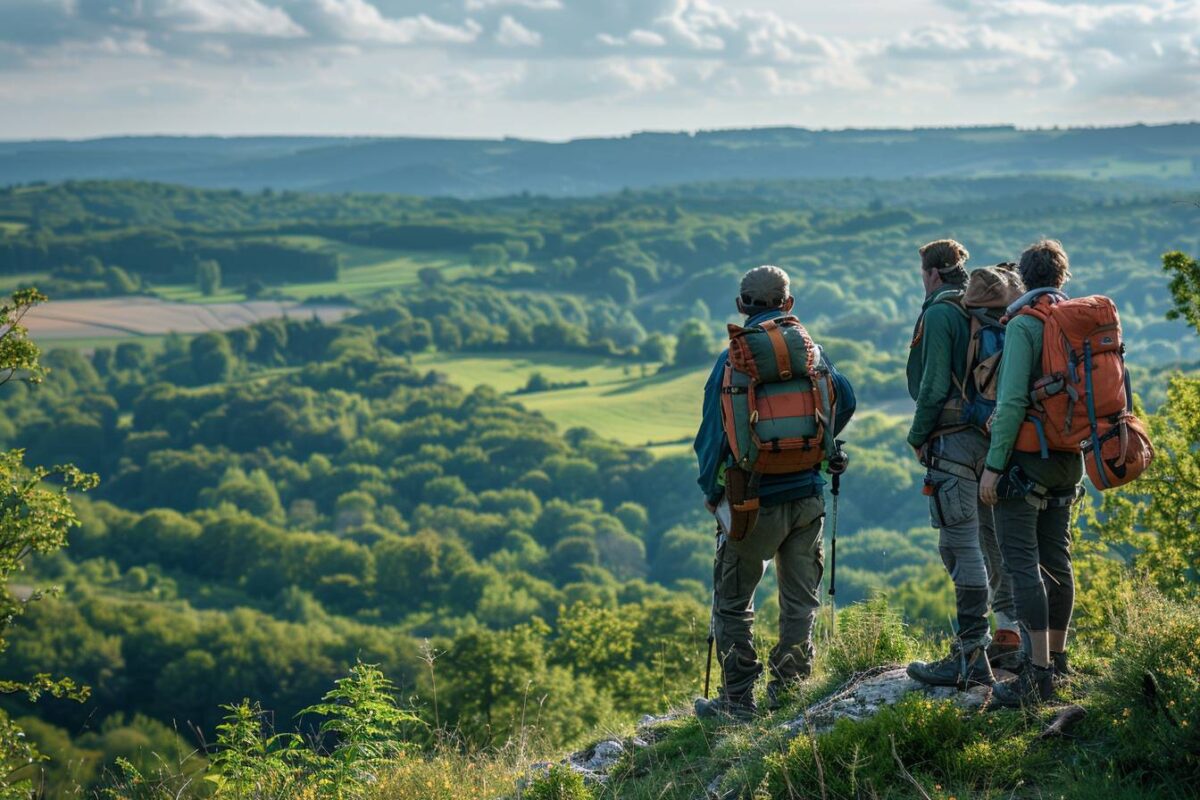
{"type": "Point", "coordinates": [712, 449]}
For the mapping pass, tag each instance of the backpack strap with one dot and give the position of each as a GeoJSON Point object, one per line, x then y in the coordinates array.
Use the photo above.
{"type": "Point", "coordinates": [1032, 303]}
{"type": "Point", "coordinates": [951, 298]}
{"type": "Point", "coordinates": [1091, 410]}
{"type": "Point", "coordinates": [783, 359]}
{"type": "Point", "coordinates": [1043, 445]}
{"type": "Point", "coordinates": [827, 413]}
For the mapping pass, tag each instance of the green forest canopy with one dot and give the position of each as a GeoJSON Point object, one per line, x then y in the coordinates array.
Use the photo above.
{"type": "Point", "coordinates": [279, 500]}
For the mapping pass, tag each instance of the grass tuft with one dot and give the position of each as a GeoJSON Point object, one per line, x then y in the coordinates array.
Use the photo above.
{"type": "Point", "coordinates": [868, 634]}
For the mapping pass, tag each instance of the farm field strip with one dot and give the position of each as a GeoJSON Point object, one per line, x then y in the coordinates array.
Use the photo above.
{"type": "Point", "coordinates": [367, 270]}
{"type": "Point", "coordinates": [143, 316]}
{"type": "Point", "coordinates": [632, 408]}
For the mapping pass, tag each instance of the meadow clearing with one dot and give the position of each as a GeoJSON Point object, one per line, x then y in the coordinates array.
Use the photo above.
{"type": "Point", "coordinates": [632, 403]}
{"type": "Point", "coordinates": [365, 271]}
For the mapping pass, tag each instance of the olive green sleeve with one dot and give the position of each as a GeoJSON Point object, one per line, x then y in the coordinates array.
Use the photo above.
{"type": "Point", "coordinates": [1022, 355]}
{"type": "Point", "coordinates": [936, 369]}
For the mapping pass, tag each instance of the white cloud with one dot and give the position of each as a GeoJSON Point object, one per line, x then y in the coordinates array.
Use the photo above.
{"type": "Point", "coordinates": [535, 5]}
{"type": "Point", "coordinates": [646, 38]}
{"type": "Point", "coordinates": [513, 34]}
{"type": "Point", "coordinates": [360, 21]}
{"type": "Point", "coordinates": [228, 16]}
{"type": "Point", "coordinates": [966, 60]}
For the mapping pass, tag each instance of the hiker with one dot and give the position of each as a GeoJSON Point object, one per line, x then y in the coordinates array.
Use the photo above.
{"type": "Point", "coordinates": [801, 404]}
{"type": "Point", "coordinates": [954, 351]}
{"type": "Point", "coordinates": [1033, 487]}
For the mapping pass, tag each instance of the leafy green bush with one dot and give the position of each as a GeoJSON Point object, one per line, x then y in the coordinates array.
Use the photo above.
{"type": "Point", "coordinates": [1147, 701]}
{"type": "Point", "coordinates": [367, 732]}
{"type": "Point", "coordinates": [366, 727]}
{"type": "Point", "coordinates": [559, 783]}
{"type": "Point", "coordinates": [868, 634]}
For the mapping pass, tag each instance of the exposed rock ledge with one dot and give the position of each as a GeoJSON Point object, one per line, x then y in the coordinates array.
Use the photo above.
{"type": "Point", "coordinates": [861, 697]}
{"type": "Point", "coordinates": [871, 691]}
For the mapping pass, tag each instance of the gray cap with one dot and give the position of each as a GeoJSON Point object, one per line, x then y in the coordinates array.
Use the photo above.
{"type": "Point", "coordinates": [765, 287]}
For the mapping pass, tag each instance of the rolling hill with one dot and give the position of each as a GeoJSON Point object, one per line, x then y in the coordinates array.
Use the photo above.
{"type": "Point", "coordinates": [1165, 154]}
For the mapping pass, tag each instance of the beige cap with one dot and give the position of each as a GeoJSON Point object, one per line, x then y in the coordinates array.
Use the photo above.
{"type": "Point", "coordinates": [765, 287]}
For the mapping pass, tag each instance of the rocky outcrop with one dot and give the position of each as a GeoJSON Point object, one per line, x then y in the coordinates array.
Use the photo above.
{"type": "Point", "coordinates": [869, 692]}
{"type": "Point", "coordinates": [865, 695]}
{"type": "Point", "coordinates": [596, 762]}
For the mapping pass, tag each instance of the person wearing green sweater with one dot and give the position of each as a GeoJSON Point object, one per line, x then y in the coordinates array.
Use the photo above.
{"type": "Point", "coordinates": [1033, 493]}
{"type": "Point", "coordinates": [954, 452]}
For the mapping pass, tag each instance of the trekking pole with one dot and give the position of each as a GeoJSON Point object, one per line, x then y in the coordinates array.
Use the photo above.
{"type": "Point", "coordinates": [837, 465]}
{"type": "Point", "coordinates": [708, 667]}
{"type": "Point", "coordinates": [712, 625]}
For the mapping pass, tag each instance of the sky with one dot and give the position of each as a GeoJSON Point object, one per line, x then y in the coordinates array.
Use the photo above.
{"type": "Point", "coordinates": [557, 69]}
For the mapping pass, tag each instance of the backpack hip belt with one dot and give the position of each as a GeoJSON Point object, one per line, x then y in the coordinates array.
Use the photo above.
{"type": "Point", "coordinates": [1042, 498]}
{"type": "Point", "coordinates": [955, 468]}
{"type": "Point", "coordinates": [1035, 494]}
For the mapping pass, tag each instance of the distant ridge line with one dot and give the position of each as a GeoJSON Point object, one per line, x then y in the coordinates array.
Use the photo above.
{"type": "Point", "coordinates": [1166, 154]}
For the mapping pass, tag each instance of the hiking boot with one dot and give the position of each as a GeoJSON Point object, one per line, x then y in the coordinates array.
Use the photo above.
{"type": "Point", "coordinates": [721, 707]}
{"type": "Point", "coordinates": [1005, 650]}
{"type": "Point", "coordinates": [1062, 670]}
{"type": "Point", "coordinates": [779, 693]}
{"type": "Point", "coordinates": [1033, 685]}
{"type": "Point", "coordinates": [957, 669]}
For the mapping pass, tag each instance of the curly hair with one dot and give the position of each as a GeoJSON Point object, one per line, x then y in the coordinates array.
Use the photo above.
{"type": "Point", "coordinates": [948, 257]}
{"type": "Point", "coordinates": [1044, 264]}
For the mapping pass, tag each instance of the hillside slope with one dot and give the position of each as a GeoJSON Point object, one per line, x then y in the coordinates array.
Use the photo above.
{"type": "Point", "coordinates": [487, 167]}
{"type": "Point", "coordinates": [1124, 726]}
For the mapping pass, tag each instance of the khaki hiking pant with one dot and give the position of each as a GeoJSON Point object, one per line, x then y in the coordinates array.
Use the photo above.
{"type": "Point", "coordinates": [967, 540]}
{"type": "Point", "coordinates": [789, 533]}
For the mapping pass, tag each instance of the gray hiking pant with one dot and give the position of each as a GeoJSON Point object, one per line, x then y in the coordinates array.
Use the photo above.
{"type": "Point", "coordinates": [1037, 549]}
{"type": "Point", "coordinates": [967, 539]}
{"type": "Point", "coordinates": [790, 533]}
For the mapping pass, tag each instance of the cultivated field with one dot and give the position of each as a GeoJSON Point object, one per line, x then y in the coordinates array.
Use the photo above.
{"type": "Point", "coordinates": [118, 317]}
{"type": "Point", "coordinates": [619, 402]}
{"type": "Point", "coordinates": [365, 271]}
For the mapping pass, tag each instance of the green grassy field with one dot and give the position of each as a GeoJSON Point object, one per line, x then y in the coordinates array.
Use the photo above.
{"type": "Point", "coordinates": [619, 402]}
{"type": "Point", "coordinates": [21, 280]}
{"type": "Point", "coordinates": [368, 270]}
{"type": "Point", "coordinates": [1126, 170]}
{"type": "Point", "coordinates": [365, 271]}
{"type": "Point", "coordinates": [153, 344]}
{"type": "Point", "coordinates": [190, 294]}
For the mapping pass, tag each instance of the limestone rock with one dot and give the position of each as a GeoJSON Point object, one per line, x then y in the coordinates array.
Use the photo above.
{"type": "Point", "coordinates": [871, 691]}
{"type": "Point", "coordinates": [595, 762]}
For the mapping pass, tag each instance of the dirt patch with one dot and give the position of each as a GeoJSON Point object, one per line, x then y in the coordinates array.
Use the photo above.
{"type": "Point", "coordinates": [147, 316]}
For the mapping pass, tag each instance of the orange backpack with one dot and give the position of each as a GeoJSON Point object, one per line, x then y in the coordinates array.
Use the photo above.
{"type": "Point", "coordinates": [777, 398]}
{"type": "Point", "coordinates": [1083, 402]}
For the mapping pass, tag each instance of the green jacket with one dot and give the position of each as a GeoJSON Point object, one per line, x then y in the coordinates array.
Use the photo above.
{"type": "Point", "coordinates": [941, 354]}
{"type": "Point", "coordinates": [1020, 366]}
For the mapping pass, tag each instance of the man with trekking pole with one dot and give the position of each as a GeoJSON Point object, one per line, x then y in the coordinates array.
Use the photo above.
{"type": "Point", "coordinates": [773, 406]}
{"type": "Point", "coordinates": [952, 362]}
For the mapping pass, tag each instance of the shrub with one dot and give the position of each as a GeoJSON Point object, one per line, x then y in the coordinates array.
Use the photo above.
{"type": "Point", "coordinates": [559, 783]}
{"type": "Point", "coordinates": [1147, 701]}
{"type": "Point", "coordinates": [868, 634]}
